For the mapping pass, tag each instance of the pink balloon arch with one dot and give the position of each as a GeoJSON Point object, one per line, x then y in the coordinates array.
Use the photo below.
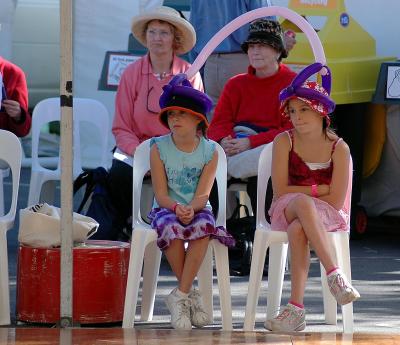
{"type": "Point", "coordinates": [284, 12]}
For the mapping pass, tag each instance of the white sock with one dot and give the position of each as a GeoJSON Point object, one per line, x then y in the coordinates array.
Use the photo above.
{"type": "Point", "coordinates": [179, 293]}
{"type": "Point", "coordinates": [337, 270]}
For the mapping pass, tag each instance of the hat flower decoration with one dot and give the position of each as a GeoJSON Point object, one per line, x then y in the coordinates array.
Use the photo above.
{"type": "Point", "coordinates": [315, 95]}
{"type": "Point", "coordinates": [179, 94]}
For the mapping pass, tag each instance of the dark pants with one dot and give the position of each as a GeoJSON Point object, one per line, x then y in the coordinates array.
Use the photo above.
{"type": "Point", "coordinates": [251, 191]}
{"type": "Point", "coordinates": [120, 181]}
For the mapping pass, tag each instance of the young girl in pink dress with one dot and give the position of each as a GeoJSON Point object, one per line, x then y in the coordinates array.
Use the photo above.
{"type": "Point", "coordinates": [310, 174]}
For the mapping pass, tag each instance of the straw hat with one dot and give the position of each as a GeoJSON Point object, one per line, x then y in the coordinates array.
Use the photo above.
{"type": "Point", "coordinates": [186, 31]}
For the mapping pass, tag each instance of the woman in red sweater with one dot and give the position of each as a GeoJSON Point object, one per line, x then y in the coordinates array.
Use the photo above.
{"type": "Point", "coordinates": [14, 115]}
{"type": "Point", "coordinates": [251, 100]}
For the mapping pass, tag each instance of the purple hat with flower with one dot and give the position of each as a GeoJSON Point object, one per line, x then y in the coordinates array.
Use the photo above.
{"type": "Point", "coordinates": [179, 94]}
{"type": "Point", "coordinates": [310, 92]}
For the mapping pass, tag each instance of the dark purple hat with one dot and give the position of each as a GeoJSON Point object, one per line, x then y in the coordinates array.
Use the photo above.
{"type": "Point", "coordinates": [315, 95]}
{"type": "Point", "coordinates": [266, 31]}
{"type": "Point", "coordinates": [180, 94]}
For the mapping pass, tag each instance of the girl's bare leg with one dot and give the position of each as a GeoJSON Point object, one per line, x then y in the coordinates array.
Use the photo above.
{"type": "Point", "coordinates": [193, 260]}
{"type": "Point", "coordinates": [175, 254]}
{"type": "Point", "coordinates": [303, 209]}
{"type": "Point", "coordinates": [299, 260]}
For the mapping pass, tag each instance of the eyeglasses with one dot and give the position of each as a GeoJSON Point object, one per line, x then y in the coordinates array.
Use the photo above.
{"type": "Point", "coordinates": [163, 34]}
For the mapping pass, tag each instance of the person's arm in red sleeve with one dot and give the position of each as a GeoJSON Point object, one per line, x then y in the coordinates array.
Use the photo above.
{"type": "Point", "coordinates": [18, 92]}
{"type": "Point", "coordinates": [269, 136]}
{"type": "Point", "coordinates": [224, 117]}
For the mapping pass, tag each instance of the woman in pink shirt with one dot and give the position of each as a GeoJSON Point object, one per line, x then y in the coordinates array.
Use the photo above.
{"type": "Point", "coordinates": [165, 34]}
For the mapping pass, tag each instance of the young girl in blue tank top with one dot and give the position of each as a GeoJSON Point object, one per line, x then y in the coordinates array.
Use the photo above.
{"type": "Point", "coordinates": [310, 174]}
{"type": "Point", "coordinates": [183, 166]}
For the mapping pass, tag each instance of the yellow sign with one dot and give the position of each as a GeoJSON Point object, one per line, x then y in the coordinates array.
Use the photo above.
{"type": "Point", "coordinates": [350, 50]}
{"type": "Point", "coordinates": [326, 4]}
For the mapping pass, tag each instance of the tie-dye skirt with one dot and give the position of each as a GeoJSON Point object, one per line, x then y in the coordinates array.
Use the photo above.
{"type": "Point", "coordinates": [169, 228]}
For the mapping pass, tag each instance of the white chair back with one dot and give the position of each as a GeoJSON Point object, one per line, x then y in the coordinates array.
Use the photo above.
{"type": "Point", "coordinates": [49, 110]}
{"type": "Point", "coordinates": [84, 110]}
{"type": "Point", "coordinates": [11, 153]}
{"type": "Point", "coordinates": [264, 173]}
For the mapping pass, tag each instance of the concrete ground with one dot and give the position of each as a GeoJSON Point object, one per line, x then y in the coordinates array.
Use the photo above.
{"type": "Point", "coordinates": [375, 270]}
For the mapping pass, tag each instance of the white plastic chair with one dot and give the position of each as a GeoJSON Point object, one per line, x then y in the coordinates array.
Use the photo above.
{"type": "Point", "coordinates": [144, 252]}
{"type": "Point", "coordinates": [244, 199]}
{"type": "Point", "coordinates": [48, 110]}
{"type": "Point", "coordinates": [4, 172]}
{"type": "Point", "coordinates": [11, 153]}
{"type": "Point", "coordinates": [278, 242]}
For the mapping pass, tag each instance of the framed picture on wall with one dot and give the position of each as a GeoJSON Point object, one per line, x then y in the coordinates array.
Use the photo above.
{"type": "Point", "coordinates": [393, 82]}
{"type": "Point", "coordinates": [117, 62]}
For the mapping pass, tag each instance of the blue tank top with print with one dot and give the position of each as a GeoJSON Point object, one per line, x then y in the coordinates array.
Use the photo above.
{"type": "Point", "coordinates": [183, 169]}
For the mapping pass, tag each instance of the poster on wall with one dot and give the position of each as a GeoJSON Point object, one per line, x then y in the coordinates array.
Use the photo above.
{"type": "Point", "coordinates": [117, 63]}
{"type": "Point", "coordinates": [393, 82]}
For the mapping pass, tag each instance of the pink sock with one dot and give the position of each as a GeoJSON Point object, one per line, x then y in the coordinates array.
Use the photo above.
{"type": "Point", "coordinates": [298, 305]}
{"type": "Point", "coordinates": [332, 270]}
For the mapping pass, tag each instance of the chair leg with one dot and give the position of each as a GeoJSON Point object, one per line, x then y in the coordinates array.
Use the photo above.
{"type": "Point", "coordinates": [330, 304]}
{"type": "Point", "coordinates": [222, 266]}
{"type": "Point", "coordinates": [35, 188]}
{"type": "Point", "coordinates": [151, 269]}
{"type": "Point", "coordinates": [276, 272]}
{"type": "Point", "coordinates": [205, 281]}
{"type": "Point", "coordinates": [3, 174]}
{"type": "Point", "coordinates": [347, 310]}
{"type": "Point", "coordinates": [256, 271]}
{"type": "Point", "coordinates": [4, 282]}
{"type": "Point", "coordinates": [1, 195]}
{"type": "Point", "coordinates": [136, 258]}
{"type": "Point", "coordinates": [146, 201]}
{"type": "Point", "coordinates": [48, 192]}
{"type": "Point", "coordinates": [244, 200]}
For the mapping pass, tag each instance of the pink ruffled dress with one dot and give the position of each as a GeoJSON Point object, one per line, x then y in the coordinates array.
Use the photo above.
{"type": "Point", "coordinates": [305, 174]}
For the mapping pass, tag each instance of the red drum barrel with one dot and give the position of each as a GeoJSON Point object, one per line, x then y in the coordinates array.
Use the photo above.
{"type": "Point", "coordinates": [100, 272]}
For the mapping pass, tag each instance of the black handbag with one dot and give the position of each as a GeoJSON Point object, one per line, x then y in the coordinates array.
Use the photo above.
{"type": "Point", "coordinates": [242, 229]}
{"type": "Point", "coordinates": [100, 207]}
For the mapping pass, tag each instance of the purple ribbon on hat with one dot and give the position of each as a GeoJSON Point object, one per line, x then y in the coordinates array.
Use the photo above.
{"type": "Point", "coordinates": [179, 85]}
{"type": "Point", "coordinates": [296, 87]}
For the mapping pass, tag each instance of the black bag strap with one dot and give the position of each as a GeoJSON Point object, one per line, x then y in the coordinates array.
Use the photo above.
{"type": "Point", "coordinates": [90, 178]}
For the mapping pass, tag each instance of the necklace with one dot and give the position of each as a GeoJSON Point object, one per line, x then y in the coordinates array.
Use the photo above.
{"type": "Point", "coordinates": [186, 162]}
{"type": "Point", "coordinates": [196, 142]}
{"type": "Point", "coordinates": [194, 146]}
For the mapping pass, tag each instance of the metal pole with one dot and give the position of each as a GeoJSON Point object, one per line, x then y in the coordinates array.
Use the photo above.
{"type": "Point", "coordinates": [66, 153]}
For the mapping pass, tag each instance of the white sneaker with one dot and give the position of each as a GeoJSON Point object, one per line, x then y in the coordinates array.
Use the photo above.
{"type": "Point", "coordinates": [341, 289]}
{"type": "Point", "coordinates": [290, 319]}
{"type": "Point", "coordinates": [198, 315]}
{"type": "Point", "coordinates": [179, 308]}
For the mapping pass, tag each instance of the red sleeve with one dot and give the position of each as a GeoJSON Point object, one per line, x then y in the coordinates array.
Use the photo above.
{"type": "Point", "coordinates": [17, 90]}
{"type": "Point", "coordinates": [20, 94]}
